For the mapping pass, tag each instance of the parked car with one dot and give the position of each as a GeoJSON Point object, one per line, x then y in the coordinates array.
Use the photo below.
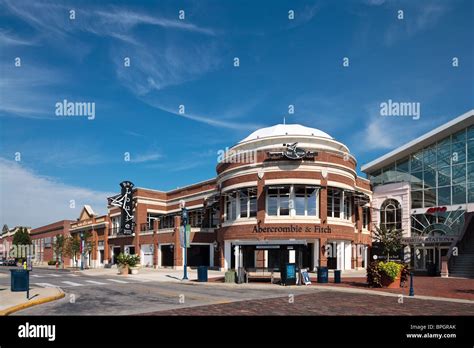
{"type": "Point", "coordinates": [2, 262]}
{"type": "Point", "coordinates": [10, 262]}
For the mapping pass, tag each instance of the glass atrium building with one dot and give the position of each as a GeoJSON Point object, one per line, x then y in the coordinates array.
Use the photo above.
{"type": "Point", "coordinates": [426, 188]}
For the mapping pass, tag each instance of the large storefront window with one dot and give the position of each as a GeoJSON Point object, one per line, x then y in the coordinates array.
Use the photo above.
{"type": "Point", "coordinates": [241, 204]}
{"type": "Point", "coordinates": [347, 206]}
{"type": "Point", "coordinates": [444, 223]}
{"type": "Point", "coordinates": [365, 217]}
{"type": "Point", "coordinates": [278, 201]}
{"type": "Point", "coordinates": [195, 218]}
{"type": "Point", "coordinates": [294, 200]}
{"type": "Point", "coordinates": [334, 202]}
{"type": "Point", "coordinates": [440, 174]}
{"type": "Point", "coordinates": [248, 202]}
{"type": "Point", "coordinates": [167, 221]}
{"type": "Point", "coordinates": [305, 200]}
{"type": "Point", "coordinates": [231, 206]}
{"type": "Point", "coordinates": [391, 214]}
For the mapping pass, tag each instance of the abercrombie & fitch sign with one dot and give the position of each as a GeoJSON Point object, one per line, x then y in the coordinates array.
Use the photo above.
{"type": "Point", "coordinates": [291, 229]}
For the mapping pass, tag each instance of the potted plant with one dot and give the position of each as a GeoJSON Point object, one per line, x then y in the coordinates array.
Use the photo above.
{"type": "Point", "coordinates": [122, 262]}
{"type": "Point", "coordinates": [133, 263]}
{"type": "Point", "coordinates": [391, 274]}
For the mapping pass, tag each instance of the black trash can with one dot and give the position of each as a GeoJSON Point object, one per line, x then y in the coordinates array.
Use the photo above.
{"type": "Point", "coordinates": [20, 280]}
{"type": "Point", "coordinates": [322, 274]}
{"type": "Point", "coordinates": [337, 276]}
{"type": "Point", "coordinates": [202, 274]}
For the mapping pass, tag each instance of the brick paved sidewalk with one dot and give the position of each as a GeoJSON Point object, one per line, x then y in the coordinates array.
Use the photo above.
{"type": "Point", "coordinates": [329, 303]}
{"type": "Point", "coordinates": [459, 288]}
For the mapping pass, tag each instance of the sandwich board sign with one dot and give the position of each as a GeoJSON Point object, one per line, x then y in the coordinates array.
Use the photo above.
{"type": "Point", "coordinates": [305, 276]}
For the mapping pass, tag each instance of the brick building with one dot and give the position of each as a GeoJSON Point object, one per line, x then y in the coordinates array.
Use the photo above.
{"type": "Point", "coordinates": [284, 193]}
{"type": "Point", "coordinates": [43, 238]}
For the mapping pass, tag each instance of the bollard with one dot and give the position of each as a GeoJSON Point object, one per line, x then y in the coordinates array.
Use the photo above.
{"type": "Point", "coordinates": [412, 291]}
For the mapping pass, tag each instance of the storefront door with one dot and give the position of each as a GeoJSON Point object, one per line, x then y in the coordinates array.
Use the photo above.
{"type": "Point", "coordinates": [425, 256]}
{"type": "Point", "coordinates": [419, 254]}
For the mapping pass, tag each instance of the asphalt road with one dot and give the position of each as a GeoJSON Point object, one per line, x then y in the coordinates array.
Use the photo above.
{"type": "Point", "coordinates": [118, 295]}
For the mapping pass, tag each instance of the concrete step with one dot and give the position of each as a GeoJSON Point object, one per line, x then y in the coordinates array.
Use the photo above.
{"type": "Point", "coordinates": [460, 275]}
{"type": "Point", "coordinates": [463, 263]}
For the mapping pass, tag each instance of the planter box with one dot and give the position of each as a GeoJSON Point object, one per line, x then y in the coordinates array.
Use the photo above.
{"type": "Point", "coordinates": [123, 270]}
{"type": "Point", "coordinates": [133, 270]}
{"type": "Point", "coordinates": [387, 282]}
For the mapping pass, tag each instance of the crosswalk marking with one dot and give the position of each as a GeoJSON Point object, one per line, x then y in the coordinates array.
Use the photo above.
{"type": "Point", "coordinates": [46, 285]}
{"type": "Point", "coordinates": [38, 276]}
{"type": "Point", "coordinates": [142, 280]}
{"type": "Point", "coordinates": [73, 275]}
{"type": "Point", "coordinates": [53, 275]}
{"type": "Point", "coordinates": [118, 281]}
{"type": "Point", "coordinates": [71, 283]}
{"type": "Point", "coordinates": [95, 282]}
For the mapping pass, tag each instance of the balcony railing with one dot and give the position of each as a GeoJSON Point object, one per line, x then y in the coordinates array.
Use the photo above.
{"type": "Point", "coordinates": [146, 227]}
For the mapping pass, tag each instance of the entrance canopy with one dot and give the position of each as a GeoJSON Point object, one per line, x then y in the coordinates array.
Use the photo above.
{"type": "Point", "coordinates": [271, 242]}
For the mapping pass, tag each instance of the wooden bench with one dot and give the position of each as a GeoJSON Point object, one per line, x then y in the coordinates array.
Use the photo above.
{"type": "Point", "coordinates": [261, 273]}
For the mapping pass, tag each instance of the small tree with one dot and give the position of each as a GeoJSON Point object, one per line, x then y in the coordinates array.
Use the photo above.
{"type": "Point", "coordinates": [58, 247]}
{"type": "Point", "coordinates": [72, 247]}
{"type": "Point", "coordinates": [389, 239]}
{"type": "Point", "coordinates": [21, 237]}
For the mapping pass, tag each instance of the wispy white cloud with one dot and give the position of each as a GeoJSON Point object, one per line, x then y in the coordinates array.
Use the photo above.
{"type": "Point", "coordinates": [212, 121]}
{"type": "Point", "coordinates": [7, 39]}
{"type": "Point", "coordinates": [386, 133]}
{"type": "Point", "coordinates": [374, 2]}
{"type": "Point", "coordinates": [145, 157]}
{"type": "Point", "coordinates": [418, 17]}
{"type": "Point", "coordinates": [156, 67]}
{"type": "Point", "coordinates": [153, 67]}
{"type": "Point", "coordinates": [24, 90]}
{"type": "Point", "coordinates": [118, 22]}
{"type": "Point", "coordinates": [129, 19]}
{"type": "Point", "coordinates": [305, 14]}
{"type": "Point", "coordinates": [33, 200]}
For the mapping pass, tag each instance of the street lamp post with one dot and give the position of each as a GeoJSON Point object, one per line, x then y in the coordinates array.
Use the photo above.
{"type": "Point", "coordinates": [184, 218]}
{"type": "Point", "coordinates": [82, 251]}
{"type": "Point", "coordinates": [412, 290]}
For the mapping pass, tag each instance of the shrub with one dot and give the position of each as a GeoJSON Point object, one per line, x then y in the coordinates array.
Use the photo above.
{"type": "Point", "coordinates": [133, 260]}
{"type": "Point", "coordinates": [391, 269]}
{"type": "Point", "coordinates": [128, 260]}
{"type": "Point", "coordinates": [53, 262]}
{"type": "Point", "coordinates": [374, 275]}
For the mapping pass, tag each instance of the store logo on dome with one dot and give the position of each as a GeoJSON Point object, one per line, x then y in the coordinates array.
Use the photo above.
{"type": "Point", "coordinates": [294, 152]}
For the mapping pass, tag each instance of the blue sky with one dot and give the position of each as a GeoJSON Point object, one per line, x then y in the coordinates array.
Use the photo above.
{"type": "Point", "coordinates": [190, 62]}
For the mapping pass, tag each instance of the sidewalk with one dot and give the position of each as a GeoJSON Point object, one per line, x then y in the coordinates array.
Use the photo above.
{"type": "Point", "coordinates": [160, 274]}
{"type": "Point", "coordinates": [437, 287]}
{"type": "Point", "coordinates": [11, 302]}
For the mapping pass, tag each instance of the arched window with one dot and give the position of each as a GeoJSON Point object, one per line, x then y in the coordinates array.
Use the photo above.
{"type": "Point", "coordinates": [391, 214]}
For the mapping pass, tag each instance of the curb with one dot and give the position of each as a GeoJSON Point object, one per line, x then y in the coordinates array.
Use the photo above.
{"type": "Point", "coordinates": [32, 303]}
